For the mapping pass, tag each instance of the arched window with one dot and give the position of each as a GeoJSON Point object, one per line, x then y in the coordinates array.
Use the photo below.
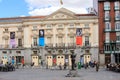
{"type": "Point", "coordinates": [107, 26]}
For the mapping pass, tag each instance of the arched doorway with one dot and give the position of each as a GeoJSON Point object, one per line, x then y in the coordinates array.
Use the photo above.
{"type": "Point", "coordinates": [35, 58]}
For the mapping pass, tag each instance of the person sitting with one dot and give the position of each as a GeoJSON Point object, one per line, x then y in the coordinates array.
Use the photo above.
{"type": "Point", "coordinates": [60, 66]}
{"type": "Point", "coordinates": [32, 64]}
{"type": "Point", "coordinates": [65, 65]}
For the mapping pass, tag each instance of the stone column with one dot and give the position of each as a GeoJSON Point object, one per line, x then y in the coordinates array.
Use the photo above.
{"type": "Point", "coordinates": [27, 34]}
{"type": "Point", "coordinates": [66, 34]}
{"type": "Point", "coordinates": [54, 34]}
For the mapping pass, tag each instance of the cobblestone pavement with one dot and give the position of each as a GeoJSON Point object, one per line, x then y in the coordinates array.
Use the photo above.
{"type": "Point", "coordinates": [44, 74]}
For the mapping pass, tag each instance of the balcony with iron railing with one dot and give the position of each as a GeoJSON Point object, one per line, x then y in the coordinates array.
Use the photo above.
{"type": "Point", "coordinates": [60, 45]}
{"type": "Point", "coordinates": [19, 46]}
{"type": "Point", "coordinates": [49, 45]}
{"type": "Point", "coordinates": [15, 46]}
{"type": "Point", "coordinates": [111, 30]}
{"type": "Point", "coordinates": [34, 45]}
{"type": "Point", "coordinates": [112, 42]}
{"type": "Point", "coordinates": [86, 46]}
{"type": "Point", "coordinates": [71, 45]}
{"type": "Point", "coordinates": [111, 48]}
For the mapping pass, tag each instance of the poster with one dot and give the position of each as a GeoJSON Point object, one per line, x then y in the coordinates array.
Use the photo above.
{"type": "Point", "coordinates": [79, 36]}
{"type": "Point", "coordinates": [41, 38]}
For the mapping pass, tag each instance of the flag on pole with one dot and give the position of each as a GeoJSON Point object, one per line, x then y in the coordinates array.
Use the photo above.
{"type": "Point", "coordinates": [61, 2]}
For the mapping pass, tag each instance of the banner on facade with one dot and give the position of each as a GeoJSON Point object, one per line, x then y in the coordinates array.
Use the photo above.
{"type": "Point", "coordinates": [79, 36]}
{"type": "Point", "coordinates": [41, 33]}
{"type": "Point", "coordinates": [41, 41]}
{"type": "Point", "coordinates": [12, 35]}
{"type": "Point", "coordinates": [79, 32]}
{"type": "Point", "coordinates": [41, 38]}
{"type": "Point", "coordinates": [79, 40]}
{"type": "Point", "coordinates": [12, 39]}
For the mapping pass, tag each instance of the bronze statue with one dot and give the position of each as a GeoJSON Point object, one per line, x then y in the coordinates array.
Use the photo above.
{"type": "Point", "coordinates": [73, 61]}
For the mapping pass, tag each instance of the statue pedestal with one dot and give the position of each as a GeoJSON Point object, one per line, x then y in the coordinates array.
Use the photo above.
{"type": "Point", "coordinates": [72, 73]}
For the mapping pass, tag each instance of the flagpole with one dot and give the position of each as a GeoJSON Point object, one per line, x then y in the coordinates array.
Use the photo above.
{"type": "Point", "coordinates": [61, 3]}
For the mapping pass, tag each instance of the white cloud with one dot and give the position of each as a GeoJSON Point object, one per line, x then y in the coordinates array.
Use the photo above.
{"type": "Point", "coordinates": [45, 7]}
{"type": "Point", "coordinates": [43, 11]}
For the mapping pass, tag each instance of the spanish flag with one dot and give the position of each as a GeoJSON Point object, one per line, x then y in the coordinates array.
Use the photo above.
{"type": "Point", "coordinates": [61, 2]}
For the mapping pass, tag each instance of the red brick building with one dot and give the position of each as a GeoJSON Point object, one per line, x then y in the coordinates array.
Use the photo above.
{"type": "Point", "coordinates": [109, 30]}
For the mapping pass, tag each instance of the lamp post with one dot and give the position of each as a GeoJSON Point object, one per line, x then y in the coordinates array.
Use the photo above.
{"type": "Point", "coordinates": [118, 61]}
{"type": "Point", "coordinates": [46, 48]}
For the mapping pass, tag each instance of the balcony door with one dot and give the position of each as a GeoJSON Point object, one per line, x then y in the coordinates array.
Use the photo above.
{"type": "Point", "coordinates": [86, 40]}
{"type": "Point", "coordinates": [20, 42]}
{"type": "Point", "coordinates": [34, 41]}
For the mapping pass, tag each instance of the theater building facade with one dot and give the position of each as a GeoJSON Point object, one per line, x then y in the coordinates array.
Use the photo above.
{"type": "Point", "coordinates": [51, 39]}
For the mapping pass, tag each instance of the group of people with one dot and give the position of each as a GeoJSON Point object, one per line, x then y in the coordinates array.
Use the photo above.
{"type": "Point", "coordinates": [92, 65]}
{"type": "Point", "coordinates": [7, 66]}
{"type": "Point", "coordinates": [113, 67]}
{"type": "Point", "coordinates": [64, 66]}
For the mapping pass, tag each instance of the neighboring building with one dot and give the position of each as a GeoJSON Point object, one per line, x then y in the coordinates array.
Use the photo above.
{"type": "Point", "coordinates": [51, 38]}
{"type": "Point", "coordinates": [95, 5]}
{"type": "Point", "coordinates": [109, 31]}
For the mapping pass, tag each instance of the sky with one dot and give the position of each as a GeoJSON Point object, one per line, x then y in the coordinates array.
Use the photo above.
{"type": "Point", "coordinates": [17, 8]}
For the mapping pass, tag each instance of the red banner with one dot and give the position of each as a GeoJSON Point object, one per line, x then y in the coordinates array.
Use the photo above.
{"type": "Point", "coordinates": [79, 36]}
{"type": "Point", "coordinates": [79, 40]}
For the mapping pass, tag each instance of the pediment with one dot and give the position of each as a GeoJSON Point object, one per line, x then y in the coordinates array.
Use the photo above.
{"type": "Point", "coordinates": [61, 14]}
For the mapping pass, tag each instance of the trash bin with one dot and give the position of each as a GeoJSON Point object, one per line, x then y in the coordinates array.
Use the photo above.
{"type": "Point", "coordinates": [79, 65]}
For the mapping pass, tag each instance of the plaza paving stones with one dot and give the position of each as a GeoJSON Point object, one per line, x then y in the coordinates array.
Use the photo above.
{"type": "Point", "coordinates": [46, 74]}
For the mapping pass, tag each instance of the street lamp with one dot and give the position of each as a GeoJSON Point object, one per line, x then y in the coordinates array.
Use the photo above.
{"type": "Point", "coordinates": [46, 48]}
{"type": "Point", "coordinates": [118, 56]}
{"type": "Point", "coordinates": [73, 59]}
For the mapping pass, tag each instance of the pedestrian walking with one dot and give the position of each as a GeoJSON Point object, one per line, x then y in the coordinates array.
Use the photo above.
{"type": "Point", "coordinates": [41, 63]}
{"type": "Point", "coordinates": [86, 65]}
{"type": "Point", "coordinates": [65, 65]}
{"type": "Point", "coordinates": [60, 66]}
{"type": "Point", "coordinates": [13, 60]}
{"type": "Point", "coordinates": [32, 65]}
{"type": "Point", "coordinates": [23, 64]}
{"type": "Point", "coordinates": [97, 66]}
